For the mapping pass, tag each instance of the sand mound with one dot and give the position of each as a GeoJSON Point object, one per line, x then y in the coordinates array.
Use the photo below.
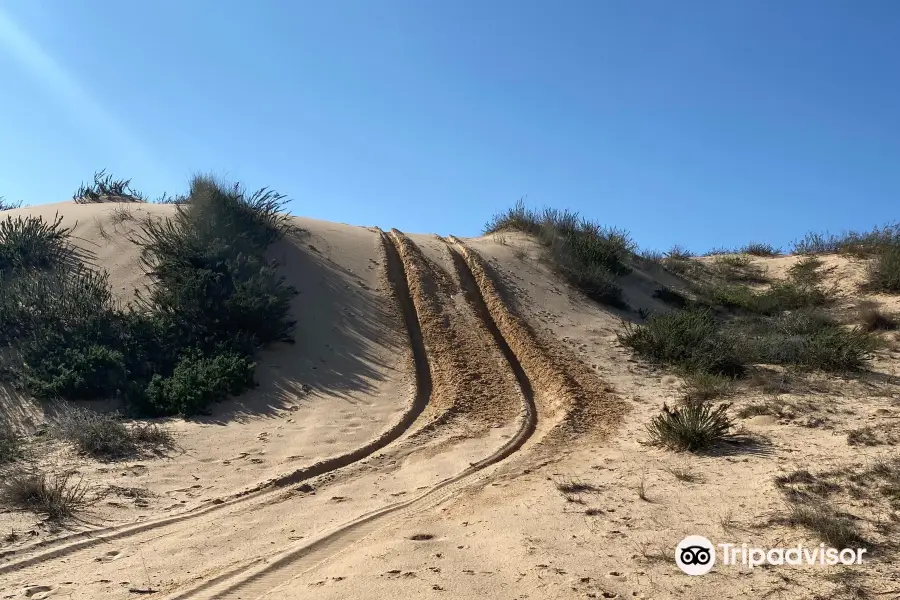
{"type": "Point", "coordinates": [452, 421]}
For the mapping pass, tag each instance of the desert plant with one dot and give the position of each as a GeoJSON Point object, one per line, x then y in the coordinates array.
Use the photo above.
{"type": "Point", "coordinates": [874, 319]}
{"type": "Point", "coordinates": [834, 529]}
{"type": "Point", "coordinates": [587, 254]}
{"type": "Point", "coordinates": [105, 188]}
{"type": "Point", "coordinates": [678, 252]}
{"type": "Point", "coordinates": [807, 339]}
{"type": "Point", "coordinates": [32, 243]}
{"type": "Point", "coordinates": [105, 435]}
{"type": "Point", "coordinates": [807, 271]}
{"type": "Point", "coordinates": [690, 339]}
{"type": "Point", "coordinates": [738, 267]}
{"type": "Point", "coordinates": [884, 271]}
{"type": "Point", "coordinates": [761, 249]}
{"type": "Point", "coordinates": [866, 243]}
{"type": "Point", "coordinates": [692, 427]}
{"type": "Point", "coordinates": [7, 205]}
{"type": "Point", "coordinates": [55, 495]}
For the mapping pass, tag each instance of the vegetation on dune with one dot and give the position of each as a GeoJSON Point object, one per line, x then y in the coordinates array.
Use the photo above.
{"type": "Point", "coordinates": [186, 341]}
{"type": "Point", "coordinates": [692, 427]}
{"type": "Point", "coordinates": [31, 243]}
{"type": "Point", "coordinates": [589, 255]}
{"type": "Point", "coordinates": [8, 205]}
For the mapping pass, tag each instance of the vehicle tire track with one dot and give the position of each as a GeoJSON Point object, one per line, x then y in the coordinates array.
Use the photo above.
{"type": "Point", "coordinates": [397, 279]}
{"type": "Point", "coordinates": [572, 400]}
{"type": "Point", "coordinates": [261, 576]}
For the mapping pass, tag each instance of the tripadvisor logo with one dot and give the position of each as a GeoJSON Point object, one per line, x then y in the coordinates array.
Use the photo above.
{"type": "Point", "coordinates": [696, 555]}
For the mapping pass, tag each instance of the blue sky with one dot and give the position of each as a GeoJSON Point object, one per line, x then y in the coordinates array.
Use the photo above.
{"type": "Point", "coordinates": [701, 123]}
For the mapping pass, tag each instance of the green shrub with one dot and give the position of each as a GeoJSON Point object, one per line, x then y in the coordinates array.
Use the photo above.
{"type": "Point", "coordinates": [884, 271]}
{"type": "Point", "coordinates": [690, 339]}
{"type": "Point", "coordinates": [32, 243]}
{"type": "Point", "coordinates": [197, 382]}
{"type": "Point", "coordinates": [761, 249]}
{"type": "Point", "coordinates": [807, 271]}
{"type": "Point", "coordinates": [739, 267]}
{"type": "Point", "coordinates": [693, 427]}
{"type": "Point", "coordinates": [678, 252]}
{"type": "Point", "coordinates": [107, 189]}
{"type": "Point", "coordinates": [779, 297]}
{"type": "Point", "coordinates": [589, 255]}
{"type": "Point", "coordinates": [809, 340]}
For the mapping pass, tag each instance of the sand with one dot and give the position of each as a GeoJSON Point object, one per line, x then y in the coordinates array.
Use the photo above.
{"type": "Point", "coordinates": [411, 443]}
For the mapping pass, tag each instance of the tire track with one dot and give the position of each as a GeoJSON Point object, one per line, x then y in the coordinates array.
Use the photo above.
{"type": "Point", "coordinates": [397, 279]}
{"type": "Point", "coordinates": [261, 576]}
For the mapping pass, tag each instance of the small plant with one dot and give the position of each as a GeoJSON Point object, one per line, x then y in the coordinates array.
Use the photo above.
{"type": "Point", "coordinates": [5, 205]}
{"type": "Point", "coordinates": [761, 249]}
{"type": "Point", "coordinates": [707, 386]}
{"type": "Point", "coordinates": [678, 252]}
{"type": "Point", "coordinates": [739, 267]}
{"type": "Point", "coordinates": [884, 271]}
{"type": "Point", "coordinates": [692, 427]}
{"type": "Point", "coordinates": [835, 530]}
{"type": "Point", "coordinates": [684, 474]}
{"type": "Point", "coordinates": [57, 496]}
{"type": "Point", "coordinates": [642, 489]}
{"type": "Point", "coordinates": [104, 435]}
{"type": "Point", "coordinates": [807, 271]}
{"type": "Point", "coordinates": [105, 188]}
{"type": "Point", "coordinates": [873, 319]}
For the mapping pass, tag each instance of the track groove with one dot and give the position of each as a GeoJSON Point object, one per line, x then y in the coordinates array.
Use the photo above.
{"type": "Point", "coordinates": [397, 279]}
{"type": "Point", "coordinates": [260, 576]}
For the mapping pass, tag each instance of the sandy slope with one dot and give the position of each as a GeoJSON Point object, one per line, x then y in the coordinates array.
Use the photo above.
{"type": "Point", "coordinates": [409, 445]}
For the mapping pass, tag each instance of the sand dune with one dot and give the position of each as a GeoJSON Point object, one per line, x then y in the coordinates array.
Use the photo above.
{"type": "Point", "coordinates": [411, 443]}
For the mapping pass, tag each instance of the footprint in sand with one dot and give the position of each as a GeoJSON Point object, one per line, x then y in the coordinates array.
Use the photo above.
{"type": "Point", "coordinates": [109, 556]}
{"type": "Point", "coordinates": [135, 471]}
{"type": "Point", "coordinates": [38, 592]}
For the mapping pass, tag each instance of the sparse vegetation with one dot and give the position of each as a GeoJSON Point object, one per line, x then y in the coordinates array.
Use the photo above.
{"type": "Point", "coordinates": [105, 435]}
{"type": "Point", "coordinates": [692, 427]}
{"type": "Point", "coordinates": [57, 496]}
{"type": "Point", "coordinates": [834, 529]}
{"type": "Point", "coordinates": [684, 474]}
{"type": "Point", "coordinates": [7, 205]}
{"type": "Point", "coordinates": [761, 249]}
{"type": "Point", "coordinates": [866, 243]}
{"type": "Point", "coordinates": [589, 255]}
{"type": "Point", "coordinates": [884, 271]}
{"type": "Point", "coordinates": [106, 188]}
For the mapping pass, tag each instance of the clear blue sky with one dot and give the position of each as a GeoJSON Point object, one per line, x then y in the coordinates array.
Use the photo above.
{"type": "Point", "coordinates": [704, 123]}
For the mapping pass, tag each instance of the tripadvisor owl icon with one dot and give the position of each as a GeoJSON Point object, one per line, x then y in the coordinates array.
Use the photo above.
{"type": "Point", "coordinates": [695, 555]}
